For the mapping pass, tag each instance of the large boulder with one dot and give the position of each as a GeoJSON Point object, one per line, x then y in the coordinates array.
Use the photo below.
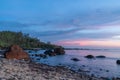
{"type": "Point", "coordinates": [59, 51]}
{"type": "Point", "coordinates": [16, 52]}
{"type": "Point", "coordinates": [49, 52]}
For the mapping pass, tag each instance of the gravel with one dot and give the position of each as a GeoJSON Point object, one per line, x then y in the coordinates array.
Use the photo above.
{"type": "Point", "coordinates": [27, 70]}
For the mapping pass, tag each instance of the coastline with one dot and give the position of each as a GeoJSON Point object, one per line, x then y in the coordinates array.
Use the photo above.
{"type": "Point", "coordinates": [27, 70]}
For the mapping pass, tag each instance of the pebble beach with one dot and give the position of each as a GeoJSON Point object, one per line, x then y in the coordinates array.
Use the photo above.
{"type": "Point", "coordinates": [27, 70]}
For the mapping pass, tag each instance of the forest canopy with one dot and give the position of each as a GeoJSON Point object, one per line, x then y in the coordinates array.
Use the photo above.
{"type": "Point", "coordinates": [8, 38]}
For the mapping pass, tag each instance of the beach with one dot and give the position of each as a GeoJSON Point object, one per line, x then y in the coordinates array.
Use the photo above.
{"type": "Point", "coordinates": [26, 70]}
{"type": "Point", "coordinates": [61, 67]}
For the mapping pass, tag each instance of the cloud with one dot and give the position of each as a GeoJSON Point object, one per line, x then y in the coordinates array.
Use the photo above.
{"type": "Point", "coordinates": [64, 22]}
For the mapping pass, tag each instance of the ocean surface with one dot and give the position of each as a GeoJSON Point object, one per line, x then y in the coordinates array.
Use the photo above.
{"type": "Point", "coordinates": [100, 67]}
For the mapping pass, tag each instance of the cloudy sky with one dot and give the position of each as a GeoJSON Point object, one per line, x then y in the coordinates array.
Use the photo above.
{"type": "Point", "coordinates": [71, 23]}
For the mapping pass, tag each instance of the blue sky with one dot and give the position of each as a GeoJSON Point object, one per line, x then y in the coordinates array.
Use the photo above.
{"type": "Point", "coordinates": [65, 22]}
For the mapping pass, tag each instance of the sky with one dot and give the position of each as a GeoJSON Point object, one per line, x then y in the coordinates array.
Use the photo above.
{"type": "Point", "coordinates": [70, 23]}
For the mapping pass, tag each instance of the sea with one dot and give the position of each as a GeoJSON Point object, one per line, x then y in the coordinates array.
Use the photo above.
{"type": "Point", "coordinates": [99, 67]}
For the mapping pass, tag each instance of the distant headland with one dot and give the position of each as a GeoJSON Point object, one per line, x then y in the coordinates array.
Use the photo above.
{"type": "Point", "coordinates": [8, 38]}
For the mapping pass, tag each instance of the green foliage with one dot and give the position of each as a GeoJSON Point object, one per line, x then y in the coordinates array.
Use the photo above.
{"type": "Point", "coordinates": [8, 38]}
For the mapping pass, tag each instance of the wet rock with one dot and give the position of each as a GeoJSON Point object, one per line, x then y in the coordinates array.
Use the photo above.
{"type": "Point", "coordinates": [59, 51]}
{"type": "Point", "coordinates": [49, 52]}
{"type": "Point", "coordinates": [107, 70]}
{"type": "Point", "coordinates": [89, 56]}
{"type": "Point", "coordinates": [75, 59]}
{"type": "Point", "coordinates": [100, 56]}
{"type": "Point", "coordinates": [83, 66]}
{"type": "Point", "coordinates": [118, 62]}
{"type": "Point", "coordinates": [101, 69]}
{"type": "Point", "coordinates": [29, 51]}
{"type": "Point", "coordinates": [38, 59]}
{"type": "Point", "coordinates": [16, 52]}
{"type": "Point", "coordinates": [37, 55]}
{"type": "Point", "coordinates": [43, 55]}
{"type": "Point", "coordinates": [32, 55]}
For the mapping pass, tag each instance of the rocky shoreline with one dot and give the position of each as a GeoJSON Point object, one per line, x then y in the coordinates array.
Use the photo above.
{"type": "Point", "coordinates": [27, 70]}
{"type": "Point", "coordinates": [14, 66]}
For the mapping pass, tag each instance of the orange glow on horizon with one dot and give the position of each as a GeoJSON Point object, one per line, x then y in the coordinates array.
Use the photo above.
{"type": "Point", "coordinates": [100, 43]}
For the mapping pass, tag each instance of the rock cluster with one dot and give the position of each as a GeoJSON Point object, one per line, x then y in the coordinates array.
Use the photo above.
{"type": "Point", "coordinates": [59, 51]}
{"type": "Point", "coordinates": [49, 52]}
{"type": "Point", "coordinates": [16, 52]}
{"type": "Point", "coordinates": [56, 51]}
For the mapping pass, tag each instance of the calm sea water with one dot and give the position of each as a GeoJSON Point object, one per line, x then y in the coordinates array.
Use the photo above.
{"type": "Point", "coordinates": [106, 67]}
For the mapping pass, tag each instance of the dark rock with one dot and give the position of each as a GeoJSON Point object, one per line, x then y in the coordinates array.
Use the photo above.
{"type": "Point", "coordinates": [38, 59]}
{"type": "Point", "coordinates": [29, 51]}
{"type": "Point", "coordinates": [32, 55]}
{"type": "Point", "coordinates": [15, 52]}
{"type": "Point", "coordinates": [37, 55]}
{"type": "Point", "coordinates": [89, 56]}
{"type": "Point", "coordinates": [49, 52]}
{"type": "Point", "coordinates": [75, 59]}
{"type": "Point", "coordinates": [59, 51]}
{"type": "Point", "coordinates": [101, 56]}
{"type": "Point", "coordinates": [43, 55]}
{"type": "Point", "coordinates": [83, 66]}
{"type": "Point", "coordinates": [107, 70]}
{"type": "Point", "coordinates": [118, 62]}
{"type": "Point", "coordinates": [101, 69]}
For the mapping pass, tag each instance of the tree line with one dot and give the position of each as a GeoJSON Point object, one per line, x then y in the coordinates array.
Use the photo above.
{"type": "Point", "coordinates": [8, 38]}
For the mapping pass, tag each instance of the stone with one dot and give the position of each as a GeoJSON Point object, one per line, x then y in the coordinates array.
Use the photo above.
{"type": "Point", "coordinates": [100, 56]}
{"type": "Point", "coordinates": [59, 51]}
{"type": "Point", "coordinates": [16, 52]}
{"type": "Point", "coordinates": [43, 55]}
{"type": "Point", "coordinates": [75, 59]}
{"type": "Point", "coordinates": [49, 52]}
{"type": "Point", "coordinates": [89, 56]}
{"type": "Point", "coordinates": [118, 62]}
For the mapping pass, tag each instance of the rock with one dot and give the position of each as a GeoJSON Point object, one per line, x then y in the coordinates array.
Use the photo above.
{"type": "Point", "coordinates": [38, 59]}
{"type": "Point", "coordinates": [101, 56]}
{"type": "Point", "coordinates": [15, 52]}
{"type": "Point", "coordinates": [59, 51]}
{"type": "Point", "coordinates": [29, 51]}
{"type": "Point", "coordinates": [49, 52]}
{"type": "Point", "coordinates": [107, 70]}
{"type": "Point", "coordinates": [89, 56]}
{"type": "Point", "coordinates": [101, 69]}
{"type": "Point", "coordinates": [118, 62]}
{"type": "Point", "coordinates": [43, 55]}
{"type": "Point", "coordinates": [75, 59]}
{"type": "Point", "coordinates": [32, 55]}
{"type": "Point", "coordinates": [37, 55]}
